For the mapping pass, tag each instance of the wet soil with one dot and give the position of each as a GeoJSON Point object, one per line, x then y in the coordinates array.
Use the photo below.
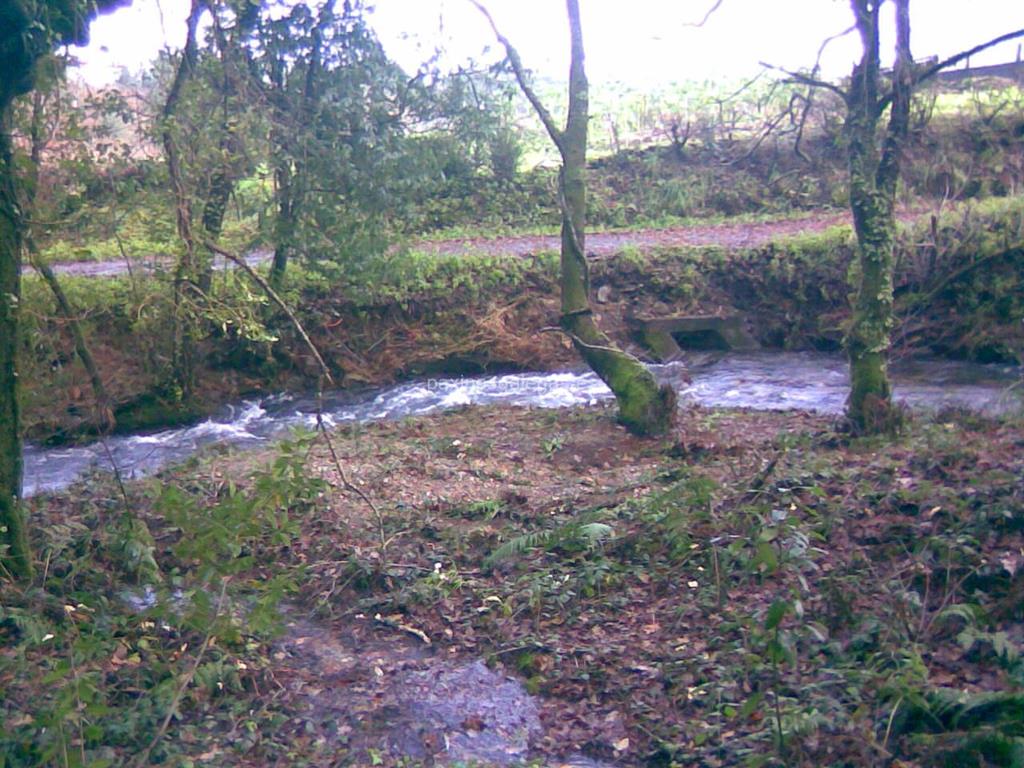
{"type": "Point", "coordinates": [378, 692]}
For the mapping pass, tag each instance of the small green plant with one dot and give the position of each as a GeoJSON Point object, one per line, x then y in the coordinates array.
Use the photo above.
{"type": "Point", "coordinates": [486, 509]}
{"type": "Point", "coordinates": [551, 445]}
{"type": "Point", "coordinates": [437, 585]}
{"type": "Point", "coordinates": [573, 536]}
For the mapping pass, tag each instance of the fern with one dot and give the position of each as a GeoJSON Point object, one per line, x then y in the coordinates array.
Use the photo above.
{"type": "Point", "coordinates": [30, 627]}
{"type": "Point", "coordinates": [572, 535]}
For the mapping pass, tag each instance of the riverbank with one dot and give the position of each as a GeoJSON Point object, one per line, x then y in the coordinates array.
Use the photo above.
{"type": "Point", "coordinates": [958, 295]}
{"type": "Point", "coordinates": [755, 587]}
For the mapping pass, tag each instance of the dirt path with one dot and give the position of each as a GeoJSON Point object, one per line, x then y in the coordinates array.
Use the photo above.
{"type": "Point", "coordinates": [725, 235]}
{"type": "Point", "coordinates": [599, 244]}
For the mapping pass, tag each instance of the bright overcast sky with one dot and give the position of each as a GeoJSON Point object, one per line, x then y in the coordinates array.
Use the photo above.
{"type": "Point", "coordinates": [642, 42]}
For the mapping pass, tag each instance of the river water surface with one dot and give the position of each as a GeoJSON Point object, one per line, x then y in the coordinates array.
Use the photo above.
{"type": "Point", "coordinates": [762, 381]}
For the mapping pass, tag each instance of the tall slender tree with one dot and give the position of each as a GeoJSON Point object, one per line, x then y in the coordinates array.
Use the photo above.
{"type": "Point", "coordinates": [644, 407]}
{"type": "Point", "coordinates": [874, 166]}
{"type": "Point", "coordinates": [874, 160]}
{"type": "Point", "coordinates": [291, 172]}
{"type": "Point", "coordinates": [873, 178]}
{"type": "Point", "coordinates": [182, 341]}
{"type": "Point", "coordinates": [28, 31]}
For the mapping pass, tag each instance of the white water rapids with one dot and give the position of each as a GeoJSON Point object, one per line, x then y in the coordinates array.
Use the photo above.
{"type": "Point", "coordinates": [762, 381]}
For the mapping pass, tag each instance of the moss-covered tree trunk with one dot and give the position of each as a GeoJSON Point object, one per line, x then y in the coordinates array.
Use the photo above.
{"type": "Point", "coordinates": [644, 407]}
{"type": "Point", "coordinates": [874, 173]}
{"type": "Point", "coordinates": [14, 550]}
{"type": "Point", "coordinates": [28, 31]}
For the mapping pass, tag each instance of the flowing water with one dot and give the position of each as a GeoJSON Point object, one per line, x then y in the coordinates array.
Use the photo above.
{"type": "Point", "coordinates": [762, 381]}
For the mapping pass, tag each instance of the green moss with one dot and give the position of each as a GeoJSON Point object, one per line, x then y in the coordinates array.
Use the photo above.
{"type": "Point", "coordinates": [151, 411]}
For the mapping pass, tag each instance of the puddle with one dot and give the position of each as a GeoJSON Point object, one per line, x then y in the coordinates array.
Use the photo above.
{"type": "Point", "coordinates": [384, 696]}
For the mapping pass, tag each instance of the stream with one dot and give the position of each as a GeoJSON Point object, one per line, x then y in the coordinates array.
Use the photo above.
{"type": "Point", "coordinates": [763, 381]}
{"type": "Point", "coordinates": [381, 693]}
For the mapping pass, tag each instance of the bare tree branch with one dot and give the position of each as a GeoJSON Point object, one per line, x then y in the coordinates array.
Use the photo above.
{"type": "Point", "coordinates": [825, 43]}
{"type": "Point", "coordinates": [956, 58]}
{"type": "Point", "coordinates": [802, 79]}
{"type": "Point", "coordinates": [520, 72]}
{"type": "Point", "coordinates": [742, 89]}
{"type": "Point", "coordinates": [711, 10]}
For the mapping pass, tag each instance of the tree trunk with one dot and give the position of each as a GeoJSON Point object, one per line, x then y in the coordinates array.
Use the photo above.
{"type": "Point", "coordinates": [644, 407]}
{"type": "Point", "coordinates": [222, 184]}
{"type": "Point", "coordinates": [182, 341]}
{"type": "Point", "coordinates": [20, 47]}
{"type": "Point", "coordinates": [291, 175]}
{"type": "Point", "coordinates": [230, 144]}
{"type": "Point", "coordinates": [15, 556]}
{"type": "Point", "coordinates": [873, 180]}
{"type": "Point", "coordinates": [285, 224]}
{"type": "Point", "coordinates": [867, 343]}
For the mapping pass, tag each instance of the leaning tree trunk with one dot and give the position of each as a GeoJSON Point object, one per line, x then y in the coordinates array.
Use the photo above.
{"type": "Point", "coordinates": [15, 556]}
{"type": "Point", "coordinates": [104, 405]}
{"type": "Point", "coordinates": [644, 407]}
{"type": "Point", "coordinates": [104, 410]}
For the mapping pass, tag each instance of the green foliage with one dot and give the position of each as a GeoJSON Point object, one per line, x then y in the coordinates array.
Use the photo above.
{"type": "Point", "coordinates": [967, 729]}
{"type": "Point", "coordinates": [133, 550]}
{"type": "Point", "coordinates": [93, 663]}
{"type": "Point", "coordinates": [406, 277]}
{"type": "Point", "coordinates": [581, 535]}
{"type": "Point", "coordinates": [264, 516]}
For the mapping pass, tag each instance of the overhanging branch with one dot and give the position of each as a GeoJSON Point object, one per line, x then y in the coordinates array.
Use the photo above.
{"type": "Point", "coordinates": [957, 58]}
{"type": "Point", "coordinates": [934, 69]}
{"type": "Point", "coordinates": [274, 297]}
{"type": "Point", "coordinates": [524, 83]}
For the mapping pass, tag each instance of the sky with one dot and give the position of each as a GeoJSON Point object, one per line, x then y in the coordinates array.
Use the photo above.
{"type": "Point", "coordinates": [645, 43]}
